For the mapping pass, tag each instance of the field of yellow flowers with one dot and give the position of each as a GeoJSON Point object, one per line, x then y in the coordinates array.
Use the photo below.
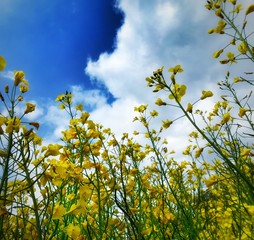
{"type": "Point", "coordinates": [95, 186]}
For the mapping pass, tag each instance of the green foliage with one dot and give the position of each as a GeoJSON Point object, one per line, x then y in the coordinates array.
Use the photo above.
{"type": "Point", "coordinates": [95, 186]}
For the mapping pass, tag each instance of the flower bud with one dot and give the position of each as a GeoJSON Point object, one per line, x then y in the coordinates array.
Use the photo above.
{"type": "Point", "coordinates": [6, 88]}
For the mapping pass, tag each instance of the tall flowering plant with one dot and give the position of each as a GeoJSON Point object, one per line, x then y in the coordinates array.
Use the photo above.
{"type": "Point", "coordinates": [97, 186]}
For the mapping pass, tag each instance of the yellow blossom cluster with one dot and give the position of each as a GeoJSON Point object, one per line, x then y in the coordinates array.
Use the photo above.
{"type": "Point", "coordinates": [94, 185]}
{"type": "Point", "coordinates": [228, 13]}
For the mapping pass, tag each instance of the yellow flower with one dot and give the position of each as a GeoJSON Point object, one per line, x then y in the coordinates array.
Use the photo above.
{"type": "Point", "coordinates": [62, 106]}
{"type": "Point", "coordinates": [166, 124]}
{"type": "Point", "coordinates": [245, 152]}
{"type": "Point", "coordinates": [168, 215]}
{"type": "Point", "coordinates": [210, 31]}
{"type": "Point", "coordinates": [53, 150]}
{"type": "Point", "coordinates": [178, 91]}
{"type": "Point", "coordinates": [2, 63]}
{"type": "Point", "coordinates": [226, 118]}
{"type": "Point", "coordinates": [220, 27]}
{"type": "Point", "coordinates": [75, 209]}
{"type": "Point", "coordinates": [232, 42]}
{"type": "Point", "coordinates": [224, 61]}
{"type": "Point", "coordinates": [217, 5]}
{"type": "Point", "coordinates": [18, 77]}
{"type": "Point", "coordinates": [211, 181]}
{"type": "Point", "coordinates": [182, 90]}
{"type": "Point", "coordinates": [238, 8]}
{"type": "Point", "coordinates": [242, 48]}
{"type": "Point", "coordinates": [37, 140]}
{"type": "Point", "coordinates": [13, 124]}
{"type": "Point", "coordinates": [218, 13]}
{"type": "Point", "coordinates": [154, 113]}
{"type": "Point", "coordinates": [250, 209]}
{"type": "Point", "coordinates": [250, 9]}
{"type": "Point", "coordinates": [84, 117]}
{"type": "Point", "coordinates": [232, 1]}
{"type": "Point", "coordinates": [133, 210]}
{"type": "Point", "coordinates": [60, 98]}
{"type": "Point", "coordinates": [29, 107]}
{"type": "Point", "coordinates": [23, 88]}
{"type": "Point", "coordinates": [176, 69]}
{"type": "Point", "coordinates": [189, 108]}
{"type": "Point", "coordinates": [194, 134]}
{"type": "Point", "coordinates": [58, 212]}
{"type": "Point", "coordinates": [141, 108]}
{"type": "Point", "coordinates": [159, 102]}
{"type": "Point", "coordinates": [198, 152]}
{"type": "Point", "coordinates": [206, 94]}
{"type": "Point", "coordinates": [242, 112]}
{"type": "Point", "coordinates": [231, 57]}
{"type": "Point", "coordinates": [236, 80]}
{"type": "Point", "coordinates": [217, 53]}
{"type": "Point", "coordinates": [158, 71]}
{"type": "Point", "coordinates": [79, 107]}
{"type": "Point", "coordinates": [147, 231]}
{"type": "Point", "coordinates": [150, 82]}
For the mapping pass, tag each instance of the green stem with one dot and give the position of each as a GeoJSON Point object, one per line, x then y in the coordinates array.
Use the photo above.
{"type": "Point", "coordinates": [4, 181]}
{"type": "Point", "coordinates": [243, 39]}
{"type": "Point", "coordinates": [32, 192]}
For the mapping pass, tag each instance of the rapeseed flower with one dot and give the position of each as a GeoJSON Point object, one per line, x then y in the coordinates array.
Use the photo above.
{"type": "Point", "coordinates": [29, 108]}
{"type": "Point", "coordinates": [242, 111]}
{"type": "Point", "coordinates": [18, 77]}
{"type": "Point", "coordinates": [166, 124]}
{"type": "Point", "coordinates": [242, 48]}
{"type": "Point", "coordinates": [250, 9]}
{"type": "Point", "coordinates": [238, 8]}
{"type": "Point", "coordinates": [13, 124]}
{"type": "Point", "coordinates": [217, 53]}
{"type": "Point", "coordinates": [206, 94]}
{"type": "Point", "coordinates": [2, 63]}
{"type": "Point", "coordinates": [176, 69]}
{"type": "Point", "coordinates": [226, 117]}
{"type": "Point", "coordinates": [159, 102]}
{"type": "Point", "coordinates": [53, 150]}
{"type": "Point", "coordinates": [59, 211]}
{"type": "Point", "coordinates": [189, 108]}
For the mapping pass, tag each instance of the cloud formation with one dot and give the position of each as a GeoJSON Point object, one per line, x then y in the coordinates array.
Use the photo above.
{"type": "Point", "coordinates": [153, 34]}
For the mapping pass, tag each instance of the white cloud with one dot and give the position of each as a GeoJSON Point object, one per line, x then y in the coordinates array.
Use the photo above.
{"type": "Point", "coordinates": [56, 121]}
{"type": "Point", "coordinates": [119, 116]}
{"type": "Point", "coordinates": [137, 50]}
{"type": "Point", "coordinates": [154, 33]}
{"type": "Point", "coordinates": [150, 38]}
{"type": "Point", "coordinates": [90, 98]}
{"type": "Point", "coordinates": [165, 17]}
{"type": "Point", "coordinates": [8, 75]}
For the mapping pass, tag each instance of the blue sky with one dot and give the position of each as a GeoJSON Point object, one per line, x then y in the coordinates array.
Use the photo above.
{"type": "Point", "coordinates": [103, 50]}
{"type": "Point", "coordinates": [51, 40]}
